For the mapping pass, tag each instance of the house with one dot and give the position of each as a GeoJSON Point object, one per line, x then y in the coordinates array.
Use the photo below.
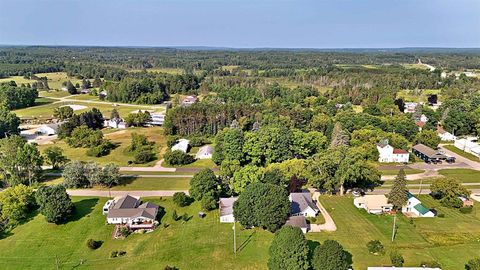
{"type": "Point", "coordinates": [226, 209]}
{"type": "Point", "coordinates": [205, 152]}
{"type": "Point", "coordinates": [374, 204]}
{"type": "Point", "coordinates": [469, 145]}
{"type": "Point", "coordinates": [402, 268]}
{"type": "Point", "coordinates": [386, 153]}
{"type": "Point", "coordinates": [302, 204]}
{"type": "Point", "coordinates": [466, 202]}
{"type": "Point", "coordinates": [48, 129]}
{"type": "Point", "coordinates": [410, 107]}
{"type": "Point", "coordinates": [189, 100]}
{"type": "Point", "coordinates": [444, 135]}
{"type": "Point", "coordinates": [428, 154]}
{"type": "Point", "coordinates": [115, 123]}
{"type": "Point", "coordinates": [420, 125]}
{"type": "Point", "coordinates": [299, 222]}
{"type": "Point", "coordinates": [129, 211]}
{"type": "Point", "coordinates": [181, 145]}
{"type": "Point", "coordinates": [157, 119]}
{"type": "Point", "coordinates": [414, 207]}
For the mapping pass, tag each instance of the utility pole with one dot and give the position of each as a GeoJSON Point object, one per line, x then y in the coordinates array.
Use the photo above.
{"type": "Point", "coordinates": [234, 240]}
{"type": "Point", "coordinates": [394, 226]}
{"type": "Point", "coordinates": [420, 189]}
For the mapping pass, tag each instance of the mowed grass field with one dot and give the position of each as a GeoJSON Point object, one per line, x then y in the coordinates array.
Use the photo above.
{"type": "Point", "coordinates": [451, 240]}
{"type": "Point", "coordinates": [118, 156]}
{"type": "Point", "coordinates": [196, 244]}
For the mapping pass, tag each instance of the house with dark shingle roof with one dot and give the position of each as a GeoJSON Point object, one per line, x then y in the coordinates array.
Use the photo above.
{"type": "Point", "coordinates": [302, 205]}
{"type": "Point", "coordinates": [129, 211]}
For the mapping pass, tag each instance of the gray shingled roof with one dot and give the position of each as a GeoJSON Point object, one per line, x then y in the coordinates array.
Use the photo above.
{"type": "Point", "coordinates": [127, 207]}
{"type": "Point", "coordinates": [226, 206]}
{"type": "Point", "coordinates": [301, 201]}
{"type": "Point", "coordinates": [297, 221]}
{"type": "Point", "coordinates": [126, 202]}
{"type": "Point", "coordinates": [429, 152]}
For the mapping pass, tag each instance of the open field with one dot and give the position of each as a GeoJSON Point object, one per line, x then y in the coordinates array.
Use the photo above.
{"type": "Point", "coordinates": [117, 155]}
{"type": "Point", "coordinates": [141, 183]}
{"type": "Point", "coordinates": [395, 172]}
{"type": "Point", "coordinates": [418, 95]}
{"type": "Point", "coordinates": [18, 79]}
{"type": "Point", "coordinates": [461, 153]}
{"type": "Point", "coordinates": [55, 79]}
{"type": "Point", "coordinates": [54, 94]}
{"type": "Point", "coordinates": [105, 107]}
{"type": "Point", "coordinates": [451, 240]}
{"type": "Point", "coordinates": [196, 244]}
{"type": "Point", "coordinates": [463, 175]}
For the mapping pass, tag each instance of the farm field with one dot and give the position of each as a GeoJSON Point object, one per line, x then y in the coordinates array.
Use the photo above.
{"type": "Point", "coordinates": [117, 155]}
{"type": "Point", "coordinates": [451, 240]}
{"type": "Point", "coordinates": [196, 244]}
{"type": "Point", "coordinates": [461, 153]}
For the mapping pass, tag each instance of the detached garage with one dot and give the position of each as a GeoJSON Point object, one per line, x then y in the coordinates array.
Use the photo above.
{"type": "Point", "coordinates": [50, 129]}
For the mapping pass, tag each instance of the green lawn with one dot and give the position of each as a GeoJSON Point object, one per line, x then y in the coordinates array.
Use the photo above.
{"type": "Point", "coordinates": [199, 163]}
{"type": "Point", "coordinates": [197, 244]}
{"type": "Point", "coordinates": [463, 175]}
{"type": "Point", "coordinates": [54, 93]}
{"type": "Point", "coordinates": [452, 240]}
{"type": "Point", "coordinates": [461, 153]}
{"type": "Point", "coordinates": [147, 183]}
{"type": "Point", "coordinates": [395, 172]}
{"type": "Point", "coordinates": [122, 138]}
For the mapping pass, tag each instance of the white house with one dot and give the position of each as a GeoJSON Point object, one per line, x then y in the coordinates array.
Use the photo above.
{"type": "Point", "coordinates": [128, 211]}
{"type": "Point", "coordinates": [226, 210]}
{"type": "Point", "coordinates": [181, 145]}
{"type": "Point", "coordinates": [445, 136]}
{"type": "Point", "coordinates": [189, 100]}
{"type": "Point", "coordinates": [48, 129]}
{"type": "Point", "coordinates": [299, 222]}
{"type": "Point", "coordinates": [157, 119]}
{"type": "Point", "coordinates": [205, 152]}
{"type": "Point", "coordinates": [386, 153]}
{"type": "Point", "coordinates": [410, 107]}
{"type": "Point", "coordinates": [115, 123]}
{"type": "Point", "coordinates": [302, 205]}
{"type": "Point", "coordinates": [414, 207]}
{"type": "Point", "coordinates": [373, 204]}
{"type": "Point", "coordinates": [469, 145]}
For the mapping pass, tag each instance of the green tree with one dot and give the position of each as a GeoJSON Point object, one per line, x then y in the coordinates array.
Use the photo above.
{"type": "Point", "coordinates": [262, 205]}
{"type": "Point", "coordinates": [473, 264]}
{"type": "Point", "coordinates": [448, 190]}
{"type": "Point", "coordinates": [204, 182]}
{"type": "Point", "coordinates": [306, 144]}
{"type": "Point", "coordinates": [75, 175]}
{"type": "Point", "coordinates": [9, 123]}
{"type": "Point", "coordinates": [396, 258]}
{"type": "Point", "coordinates": [330, 256]}
{"type": "Point", "coordinates": [107, 176]}
{"type": "Point", "coordinates": [398, 196]}
{"type": "Point", "coordinates": [54, 156]}
{"type": "Point", "coordinates": [340, 137]}
{"type": "Point", "coordinates": [54, 202]}
{"type": "Point", "coordinates": [72, 90]}
{"type": "Point", "coordinates": [15, 203]}
{"type": "Point", "coordinates": [288, 250]}
{"type": "Point", "coordinates": [429, 138]}
{"type": "Point", "coordinates": [246, 176]}
{"type": "Point", "coordinates": [63, 113]}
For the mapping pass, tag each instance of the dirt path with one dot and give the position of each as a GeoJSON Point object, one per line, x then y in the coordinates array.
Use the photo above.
{"type": "Point", "coordinates": [329, 224]}
{"type": "Point", "coordinates": [157, 168]}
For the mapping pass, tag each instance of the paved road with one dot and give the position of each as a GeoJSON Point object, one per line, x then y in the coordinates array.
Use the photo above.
{"type": "Point", "coordinates": [138, 193]}
{"type": "Point", "coordinates": [416, 176]}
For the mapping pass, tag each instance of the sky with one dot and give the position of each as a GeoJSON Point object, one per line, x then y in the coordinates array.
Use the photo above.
{"type": "Point", "coordinates": [242, 23]}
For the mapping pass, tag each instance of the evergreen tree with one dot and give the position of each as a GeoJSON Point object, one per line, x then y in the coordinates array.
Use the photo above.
{"type": "Point", "coordinates": [339, 136]}
{"type": "Point", "coordinates": [398, 196]}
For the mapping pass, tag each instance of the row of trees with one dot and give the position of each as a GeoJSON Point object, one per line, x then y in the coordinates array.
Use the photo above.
{"type": "Point", "coordinates": [13, 97]}
{"type": "Point", "coordinates": [78, 174]}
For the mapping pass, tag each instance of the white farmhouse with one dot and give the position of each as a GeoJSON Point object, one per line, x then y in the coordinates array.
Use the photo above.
{"type": "Point", "coordinates": [302, 205]}
{"type": "Point", "coordinates": [414, 207]}
{"type": "Point", "coordinates": [115, 123]}
{"type": "Point", "coordinates": [226, 210]}
{"type": "Point", "coordinates": [386, 153]}
{"type": "Point", "coordinates": [181, 145]}
{"type": "Point", "coordinates": [445, 136]}
{"type": "Point", "coordinates": [128, 211]}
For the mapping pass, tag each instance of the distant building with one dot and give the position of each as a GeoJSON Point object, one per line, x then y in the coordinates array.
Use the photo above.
{"type": "Point", "coordinates": [128, 211]}
{"type": "Point", "coordinates": [466, 202]}
{"type": "Point", "coordinates": [48, 129]}
{"type": "Point", "coordinates": [414, 207]}
{"type": "Point", "coordinates": [226, 209]}
{"type": "Point", "coordinates": [373, 204]}
{"type": "Point", "coordinates": [181, 145]}
{"type": "Point", "coordinates": [157, 119]}
{"type": "Point", "coordinates": [115, 123]}
{"type": "Point", "coordinates": [189, 100]}
{"type": "Point", "coordinates": [444, 135]}
{"type": "Point", "coordinates": [469, 145]}
{"type": "Point", "coordinates": [386, 153]}
{"type": "Point", "coordinates": [205, 152]}
{"type": "Point", "coordinates": [428, 154]}
{"type": "Point", "coordinates": [410, 107]}
{"type": "Point", "coordinates": [302, 205]}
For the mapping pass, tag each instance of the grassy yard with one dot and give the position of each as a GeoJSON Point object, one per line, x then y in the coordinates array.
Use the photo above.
{"type": "Point", "coordinates": [196, 244]}
{"type": "Point", "coordinates": [395, 172]}
{"type": "Point", "coordinates": [122, 138]}
{"type": "Point", "coordinates": [147, 183]}
{"type": "Point", "coordinates": [451, 240]}
{"type": "Point", "coordinates": [463, 175]}
{"type": "Point", "coordinates": [461, 153]}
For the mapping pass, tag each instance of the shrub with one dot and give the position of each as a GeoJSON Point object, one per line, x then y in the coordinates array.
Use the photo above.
{"type": "Point", "coordinates": [466, 210]}
{"type": "Point", "coordinates": [124, 231]}
{"type": "Point", "coordinates": [181, 199]}
{"type": "Point", "coordinates": [168, 267]}
{"type": "Point", "coordinates": [117, 253]}
{"type": "Point", "coordinates": [473, 264]}
{"type": "Point", "coordinates": [375, 247]}
{"type": "Point", "coordinates": [178, 157]}
{"type": "Point", "coordinates": [143, 156]}
{"type": "Point", "coordinates": [93, 244]}
{"type": "Point", "coordinates": [185, 217]}
{"type": "Point", "coordinates": [441, 215]}
{"type": "Point", "coordinates": [198, 141]}
{"type": "Point", "coordinates": [101, 150]}
{"type": "Point", "coordinates": [208, 202]}
{"type": "Point", "coordinates": [175, 215]}
{"type": "Point", "coordinates": [451, 201]}
{"type": "Point", "coordinates": [430, 264]}
{"type": "Point", "coordinates": [396, 258]}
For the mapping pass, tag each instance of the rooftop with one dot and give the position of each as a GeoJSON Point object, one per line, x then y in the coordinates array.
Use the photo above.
{"type": "Point", "coordinates": [297, 221]}
{"type": "Point", "coordinates": [301, 201]}
{"type": "Point", "coordinates": [226, 205]}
